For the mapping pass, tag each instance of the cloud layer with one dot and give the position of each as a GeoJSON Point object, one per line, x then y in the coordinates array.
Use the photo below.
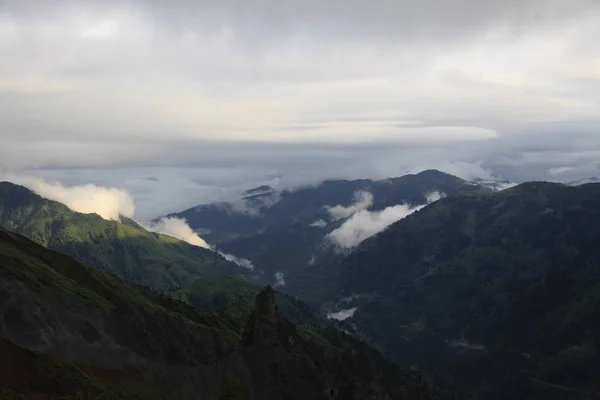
{"type": "Point", "coordinates": [232, 93]}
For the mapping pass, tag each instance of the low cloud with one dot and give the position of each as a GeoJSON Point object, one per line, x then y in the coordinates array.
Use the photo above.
{"type": "Point", "coordinates": [434, 196]}
{"type": "Point", "coordinates": [362, 201]}
{"type": "Point", "coordinates": [364, 223]}
{"type": "Point", "coordinates": [342, 314]}
{"type": "Point", "coordinates": [179, 228]}
{"type": "Point", "coordinates": [242, 262]}
{"type": "Point", "coordinates": [109, 203]}
{"type": "Point", "coordinates": [279, 281]}
{"type": "Point", "coordinates": [559, 170]}
{"type": "Point", "coordinates": [319, 224]}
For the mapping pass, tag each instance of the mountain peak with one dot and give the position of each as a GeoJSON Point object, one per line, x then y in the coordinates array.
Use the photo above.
{"type": "Point", "coordinates": [262, 326]}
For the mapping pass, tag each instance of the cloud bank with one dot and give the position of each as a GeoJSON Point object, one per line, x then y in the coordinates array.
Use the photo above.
{"type": "Point", "coordinates": [364, 223]}
{"type": "Point", "coordinates": [109, 203]}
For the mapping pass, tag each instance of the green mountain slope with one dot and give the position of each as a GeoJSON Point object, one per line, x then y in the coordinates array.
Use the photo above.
{"type": "Point", "coordinates": [69, 331]}
{"type": "Point", "coordinates": [124, 248]}
{"type": "Point", "coordinates": [492, 290]}
{"type": "Point", "coordinates": [274, 230]}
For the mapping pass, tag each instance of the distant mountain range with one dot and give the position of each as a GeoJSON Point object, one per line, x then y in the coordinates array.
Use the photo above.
{"type": "Point", "coordinates": [124, 248]}
{"type": "Point", "coordinates": [593, 179]}
{"type": "Point", "coordinates": [285, 231]}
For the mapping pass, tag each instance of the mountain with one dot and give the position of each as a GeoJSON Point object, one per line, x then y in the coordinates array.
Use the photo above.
{"type": "Point", "coordinates": [124, 247]}
{"type": "Point", "coordinates": [583, 181]}
{"type": "Point", "coordinates": [498, 293]}
{"type": "Point", "coordinates": [72, 332]}
{"type": "Point", "coordinates": [282, 232]}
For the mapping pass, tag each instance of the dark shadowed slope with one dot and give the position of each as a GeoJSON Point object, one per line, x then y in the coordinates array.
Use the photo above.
{"type": "Point", "coordinates": [74, 332]}
{"type": "Point", "coordinates": [489, 289]}
{"type": "Point", "coordinates": [124, 248]}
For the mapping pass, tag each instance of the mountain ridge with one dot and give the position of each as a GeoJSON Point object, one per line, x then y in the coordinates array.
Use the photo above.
{"type": "Point", "coordinates": [123, 247]}
{"type": "Point", "coordinates": [79, 332]}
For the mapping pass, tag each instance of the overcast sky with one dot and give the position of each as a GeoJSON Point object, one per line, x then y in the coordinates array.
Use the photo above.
{"type": "Point", "coordinates": [182, 102]}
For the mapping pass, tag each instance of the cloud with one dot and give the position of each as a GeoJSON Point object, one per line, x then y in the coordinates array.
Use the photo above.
{"type": "Point", "coordinates": [109, 203]}
{"type": "Point", "coordinates": [179, 228]}
{"type": "Point", "coordinates": [558, 170]}
{"type": "Point", "coordinates": [434, 196]}
{"type": "Point", "coordinates": [279, 281]}
{"type": "Point", "coordinates": [364, 224]}
{"type": "Point", "coordinates": [342, 314]}
{"type": "Point", "coordinates": [319, 224]}
{"type": "Point", "coordinates": [362, 201]}
{"type": "Point", "coordinates": [304, 89]}
{"type": "Point", "coordinates": [242, 262]}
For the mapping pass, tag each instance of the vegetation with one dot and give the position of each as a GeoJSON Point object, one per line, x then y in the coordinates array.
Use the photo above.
{"type": "Point", "coordinates": [73, 332]}
{"type": "Point", "coordinates": [124, 247]}
{"type": "Point", "coordinates": [273, 230]}
{"type": "Point", "coordinates": [497, 293]}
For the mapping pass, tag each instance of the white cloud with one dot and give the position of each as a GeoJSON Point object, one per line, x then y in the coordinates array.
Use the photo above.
{"type": "Point", "coordinates": [364, 224]}
{"type": "Point", "coordinates": [179, 228]}
{"type": "Point", "coordinates": [109, 203]}
{"type": "Point", "coordinates": [319, 224]}
{"type": "Point", "coordinates": [559, 170]}
{"type": "Point", "coordinates": [434, 196]}
{"type": "Point", "coordinates": [362, 201]}
{"type": "Point", "coordinates": [342, 314]}
{"type": "Point", "coordinates": [242, 262]}
{"type": "Point", "coordinates": [279, 281]}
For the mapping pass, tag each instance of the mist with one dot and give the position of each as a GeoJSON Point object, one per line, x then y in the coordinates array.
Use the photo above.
{"type": "Point", "coordinates": [364, 223]}
{"type": "Point", "coordinates": [178, 228]}
{"type": "Point", "coordinates": [279, 281]}
{"type": "Point", "coordinates": [108, 203]}
{"type": "Point", "coordinates": [362, 201]}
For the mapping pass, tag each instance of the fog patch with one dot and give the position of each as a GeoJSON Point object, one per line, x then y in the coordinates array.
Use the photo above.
{"type": "Point", "coordinates": [362, 201]}
{"type": "Point", "coordinates": [279, 281]}
{"type": "Point", "coordinates": [108, 203]}
{"type": "Point", "coordinates": [179, 228]}
{"type": "Point", "coordinates": [342, 314]}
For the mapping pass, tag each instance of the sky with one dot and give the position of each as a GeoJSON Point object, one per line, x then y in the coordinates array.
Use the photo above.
{"type": "Point", "coordinates": [185, 102]}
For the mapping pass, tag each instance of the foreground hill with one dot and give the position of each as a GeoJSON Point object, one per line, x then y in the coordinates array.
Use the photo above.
{"type": "Point", "coordinates": [497, 292]}
{"type": "Point", "coordinates": [69, 331]}
{"type": "Point", "coordinates": [125, 248]}
{"type": "Point", "coordinates": [285, 231]}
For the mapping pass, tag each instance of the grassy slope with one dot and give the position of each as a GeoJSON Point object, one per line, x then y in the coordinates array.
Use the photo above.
{"type": "Point", "coordinates": [124, 248]}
